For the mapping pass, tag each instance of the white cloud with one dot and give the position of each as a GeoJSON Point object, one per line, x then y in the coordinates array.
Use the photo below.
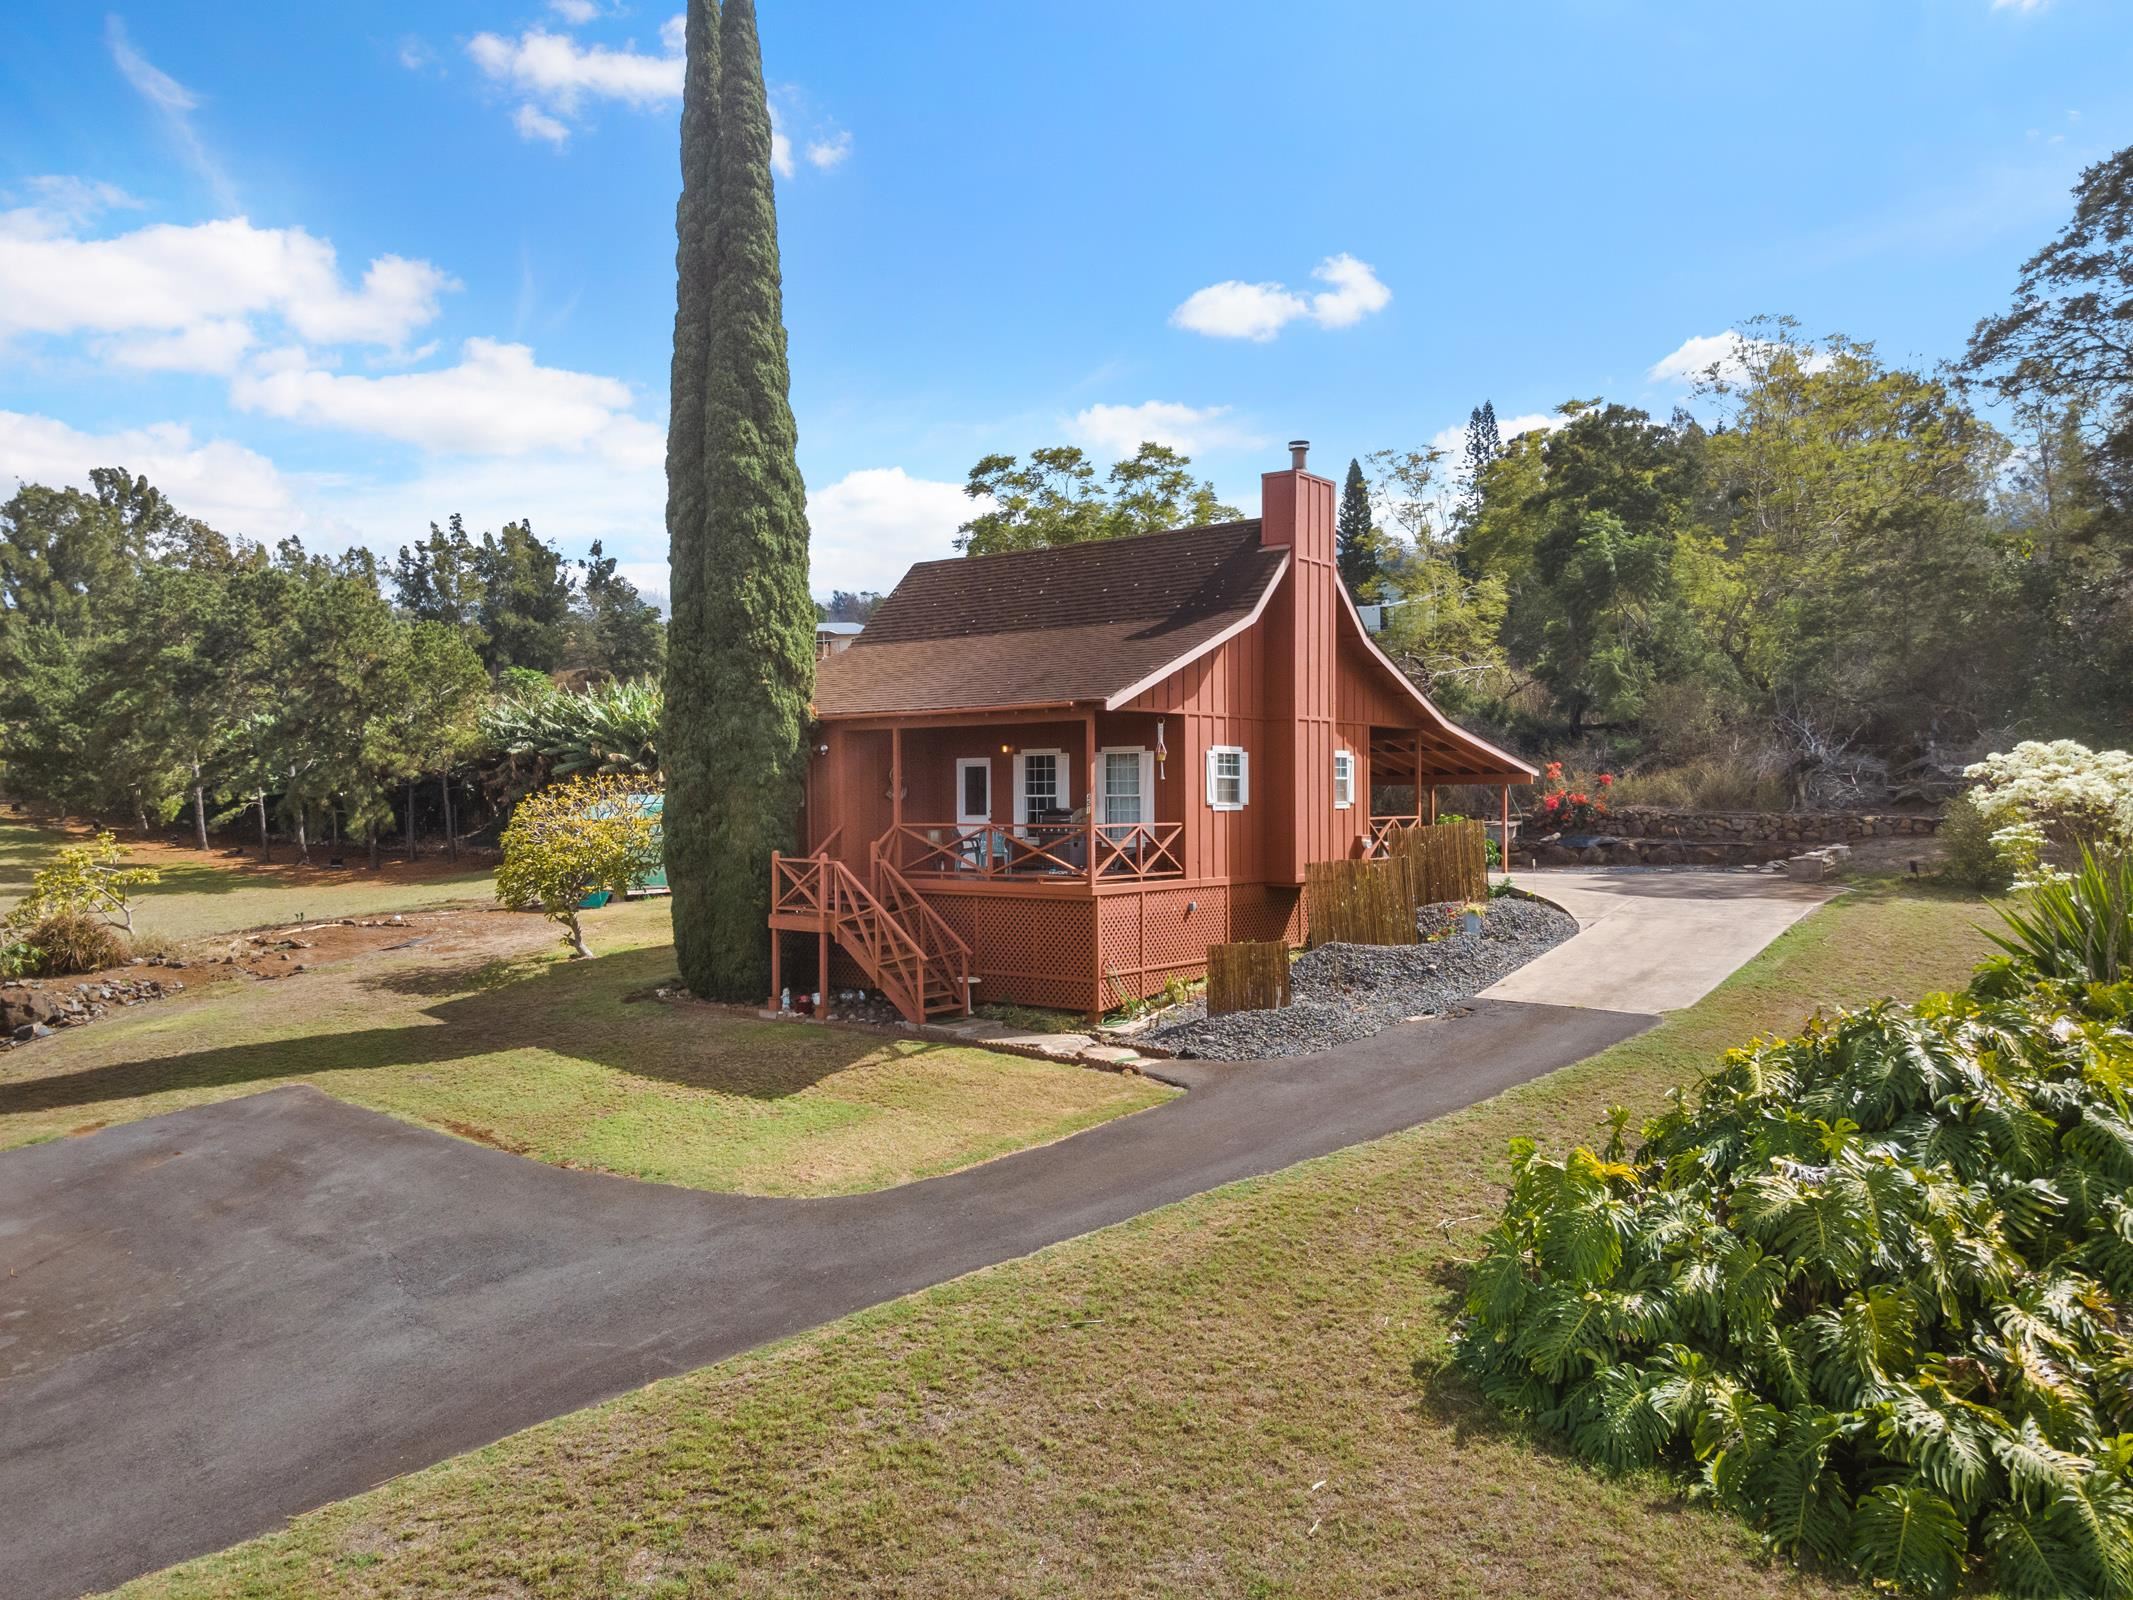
{"type": "Point", "coordinates": [557, 75]}
{"type": "Point", "coordinates": [226, 485]}
{"type": "Point", "coordinates": [1356, 292]}
{"type": "Point", "coordinates": [215, 346]}
{"type": "Point", "coordinates": [175, 104]}
{"type": "Point", "coordinates": [64, 205]}
{"type": "Point", "coordinates": [825, 154]}
{"type": "Point", "coordinates": [416, 55]}
{"type": "Point", "coordinates": [1727, 353]}
{"type": "Point", "coordinates": [168, 279]}
{"type": "Point", "coordinates": [534, 123]}
{"type": "Point", "coordinates": [1697, 356]}
{"type": "Point", "coordinates": [1122, 430]}
{"type": "Point", "coordinates": [1234, 309]}
{"type": "Point", "coordinates": [496, 401]}
{"type": "Point", "coordinates": [2018, 5]}
{"type": "Point", "coordinates": [870, 525]}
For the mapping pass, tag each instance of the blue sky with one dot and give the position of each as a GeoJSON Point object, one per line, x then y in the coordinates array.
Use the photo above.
{"type": "Point", "coordinates": [339, 270]}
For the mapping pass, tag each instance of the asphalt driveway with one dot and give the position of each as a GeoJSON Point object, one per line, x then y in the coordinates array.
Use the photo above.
{"type": "Point", "coordinates": [212, 1320]}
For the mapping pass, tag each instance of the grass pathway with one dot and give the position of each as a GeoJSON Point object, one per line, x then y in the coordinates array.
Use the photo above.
{"type": "Point", "coordinates": [1240, 1395]}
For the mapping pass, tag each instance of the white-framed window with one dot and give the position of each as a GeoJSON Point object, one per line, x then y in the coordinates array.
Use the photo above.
{"type": "Point", "coordinates": [1041, 783]}
{"type": "Point", "coordinates": [1229, 777]}
{"type": "Point", "coordinates": [1343, 779]}
{"type": "Point", "coordinates": [1127, 776]}
{"type": "Point", "coordinates": [973, 790]}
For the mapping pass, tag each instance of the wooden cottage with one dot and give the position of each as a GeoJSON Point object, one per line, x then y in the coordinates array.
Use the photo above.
{"type": "Point", "coordinates": [1060, 775]}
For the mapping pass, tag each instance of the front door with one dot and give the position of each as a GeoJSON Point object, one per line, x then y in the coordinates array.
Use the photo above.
{"type": "Point", "coordinates": [973, 791]}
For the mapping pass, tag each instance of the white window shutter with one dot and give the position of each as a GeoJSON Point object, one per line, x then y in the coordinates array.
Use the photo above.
{"type": "Point", "coordinates": [1244, 777]}
{"type": "Point", "coordinates": [1210, 777]}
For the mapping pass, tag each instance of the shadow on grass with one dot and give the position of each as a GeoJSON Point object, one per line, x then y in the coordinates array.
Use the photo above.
{"type": "Point", "coordinates": [23, 848]}
{"type": "Point", "coordinates": [192, 877]}
{"type": "Point", "coordinates": [575, 1009]}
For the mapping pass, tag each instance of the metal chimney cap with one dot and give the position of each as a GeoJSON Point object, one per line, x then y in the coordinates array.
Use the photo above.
{"type": "Point", "coordinates": [1298, 449]}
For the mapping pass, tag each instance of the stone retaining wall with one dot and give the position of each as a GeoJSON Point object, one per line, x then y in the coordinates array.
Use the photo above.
{"type": "Point", "coordinates": [1766, 827]}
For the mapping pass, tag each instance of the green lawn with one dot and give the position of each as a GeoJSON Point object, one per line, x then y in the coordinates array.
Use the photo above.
{"type": "Point", "coordinates": [1241, 1395]}
{"type": "Point", "coordinates": [486, 1032]}
{"type": "Point", "coordinates": [197, 896]}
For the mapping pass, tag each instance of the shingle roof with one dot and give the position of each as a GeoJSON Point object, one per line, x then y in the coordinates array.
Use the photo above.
{"type": "Point", "coordinates": [1048, 627]}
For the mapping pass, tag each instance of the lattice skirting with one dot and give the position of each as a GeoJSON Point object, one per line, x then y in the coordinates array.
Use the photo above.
{"type": "Point", "coordinates": [1043, 952]}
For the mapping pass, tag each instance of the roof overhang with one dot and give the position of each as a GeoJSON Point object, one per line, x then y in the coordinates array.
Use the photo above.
{"type": "Point", "coordinates": [1243, 624]}
{"type": "Point", "coordinates": [1506, 767]}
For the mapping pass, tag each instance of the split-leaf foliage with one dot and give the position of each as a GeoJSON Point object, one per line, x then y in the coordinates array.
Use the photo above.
{"type": "Point", "coordinates": [1872, 1286]}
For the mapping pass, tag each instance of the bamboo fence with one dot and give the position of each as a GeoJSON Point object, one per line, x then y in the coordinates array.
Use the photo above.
{"type": "Point", "coordinates": [1447, 861]}
{"type": "Point", "coordinates": [1374, 902]}
{"type": "Point", "coordinates": [1247, 977]}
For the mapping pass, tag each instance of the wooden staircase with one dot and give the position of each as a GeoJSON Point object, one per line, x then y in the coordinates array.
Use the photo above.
{"type": "Point", "coordinates": [903, 946]}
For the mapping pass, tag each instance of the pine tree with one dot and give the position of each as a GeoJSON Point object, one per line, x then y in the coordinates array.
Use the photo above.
{"type": "Point", "coordinates": [741, 655]}
{"type": "Point", "coordinates": [1483, 445]}
{"type": "Point", "coordinates": [1355, 549]}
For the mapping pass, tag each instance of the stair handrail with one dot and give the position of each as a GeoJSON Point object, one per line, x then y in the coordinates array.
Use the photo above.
{"type": "Point", "coordinates": [910, 898]}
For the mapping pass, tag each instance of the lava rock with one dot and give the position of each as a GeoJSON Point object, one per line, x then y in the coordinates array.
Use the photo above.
{"type": "Point", "coordinates": [1350, 991]}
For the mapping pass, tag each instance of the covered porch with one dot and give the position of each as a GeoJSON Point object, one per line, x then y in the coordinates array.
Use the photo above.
{"type": "Point", "coordinates": [1413, 764]}
{"type": "Point", "coordinates": [1038, 800]}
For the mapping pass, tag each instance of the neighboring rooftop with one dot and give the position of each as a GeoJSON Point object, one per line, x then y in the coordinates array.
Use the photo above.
{"type": "Point", "coordinates": [1049, 627]}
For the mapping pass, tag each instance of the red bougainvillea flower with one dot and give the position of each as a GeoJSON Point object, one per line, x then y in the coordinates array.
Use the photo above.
{"type": "Point", "coordinates": [1607, 780]}
{"type": "Point", "coordinates": [1554, 769]}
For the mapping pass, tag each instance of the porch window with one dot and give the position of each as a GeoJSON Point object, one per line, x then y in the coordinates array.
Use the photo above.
{"type": "Point", "coordinates": [1127, 785]}
{"type": "Point", "coordinates": [1343, 779]}
{"type": "Point", "coordinates": [1229, 782]}
{"type": "Point", "coordinates": [1042, 788]}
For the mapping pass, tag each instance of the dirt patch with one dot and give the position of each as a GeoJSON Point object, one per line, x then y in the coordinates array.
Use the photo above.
{"type": "Point", "coordinates": [271, 954]}
{"type": "Point", "coordinates": [232, 853]}
{"type": "Point", "coordinates": [489, 1137]}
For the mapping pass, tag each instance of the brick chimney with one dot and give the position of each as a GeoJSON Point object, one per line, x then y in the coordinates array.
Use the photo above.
{"type": "Point", "coordinates": [1296, 512]}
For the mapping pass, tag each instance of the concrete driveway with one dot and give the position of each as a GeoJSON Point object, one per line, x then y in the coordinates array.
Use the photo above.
{"type": "Point", "coordinates": [1654, 940]}
{"type": "Point", "coordinates": [213, 1320]}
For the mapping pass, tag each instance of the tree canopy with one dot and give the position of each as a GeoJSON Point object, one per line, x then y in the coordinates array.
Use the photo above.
{"type": "Point", "coordinates": [1056, 498]}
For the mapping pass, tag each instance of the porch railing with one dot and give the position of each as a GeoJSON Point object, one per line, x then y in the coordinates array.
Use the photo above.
{"type": "Point", "coordinates": [1036, 850]}
{"type": "Point", "coordinates": [1383, 830]}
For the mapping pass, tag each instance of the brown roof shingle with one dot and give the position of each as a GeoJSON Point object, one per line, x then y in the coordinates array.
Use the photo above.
{"type": "Point", "coordinates": [1048, 627]}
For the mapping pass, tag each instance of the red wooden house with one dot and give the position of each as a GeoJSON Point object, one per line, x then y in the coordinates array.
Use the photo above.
{"type": "Point", "coordinates": [1065, 773]}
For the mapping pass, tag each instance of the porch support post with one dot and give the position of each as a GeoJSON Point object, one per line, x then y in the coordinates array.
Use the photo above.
{"type": "Point", "coordinates": [822, 973]}
{"type": "Point", "coordinates": [777, 941]}
{"type": "Point", "coordinates": [1505, 836]}
{"type": "Point", "coordinates": [1430, 815]}
{"type": "Point", "coordinates": [1089, 733]}
{"type": "Point", "coordinates": [896, 792]}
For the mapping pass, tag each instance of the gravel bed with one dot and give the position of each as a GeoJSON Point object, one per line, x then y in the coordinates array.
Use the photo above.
{"type": "Point", "coordinates": [1350, 991]}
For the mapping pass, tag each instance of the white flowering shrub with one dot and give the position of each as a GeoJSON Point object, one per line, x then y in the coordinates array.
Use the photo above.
{"type": "Point", "coordinates": [2044, 793]}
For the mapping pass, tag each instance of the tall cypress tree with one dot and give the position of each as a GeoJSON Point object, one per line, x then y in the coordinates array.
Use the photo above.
{"type": "Point", "coordinates": [741, 648]}
{"type": "Point", "coordinates": [1355, 552]}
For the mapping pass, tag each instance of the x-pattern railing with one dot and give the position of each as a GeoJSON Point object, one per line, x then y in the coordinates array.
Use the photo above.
{"type": "Point", "coordinates": [1035, 849]}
